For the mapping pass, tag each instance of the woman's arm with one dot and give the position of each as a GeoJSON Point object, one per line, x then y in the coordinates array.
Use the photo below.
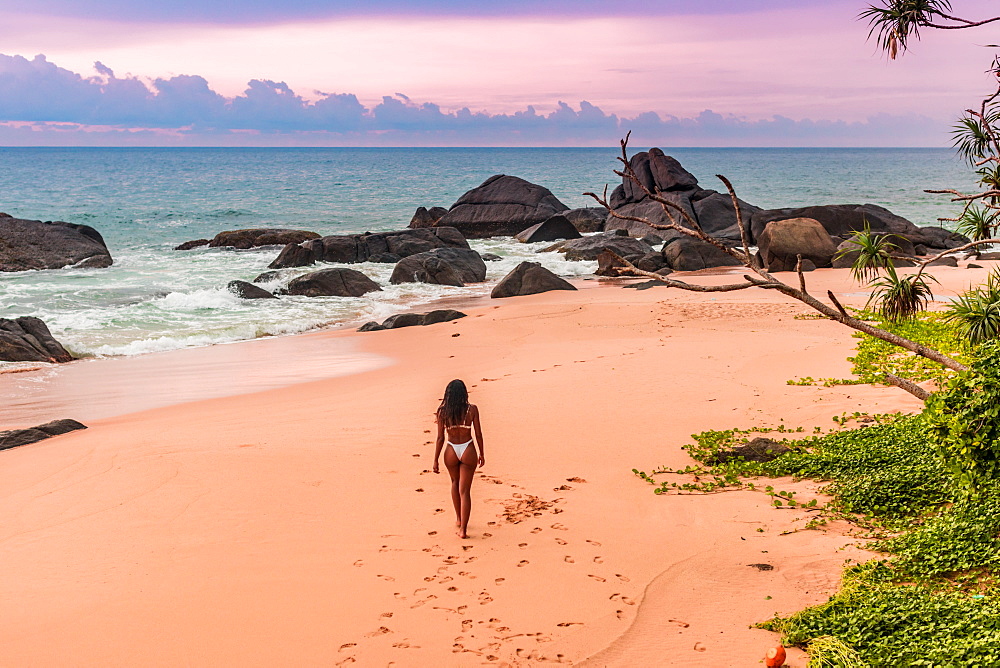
{"type": "Point", "coordinates": [479, 434]}
{"type": "Point", "coordinates": [439, 444]}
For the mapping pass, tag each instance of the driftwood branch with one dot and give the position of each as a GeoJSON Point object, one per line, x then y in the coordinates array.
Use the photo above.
{"type": "Point", "coordinates": [833, 298]}
{"type": "Point", "coordinates": [909, 386]}
{"type": "Point", "coordinates": [973, 244]}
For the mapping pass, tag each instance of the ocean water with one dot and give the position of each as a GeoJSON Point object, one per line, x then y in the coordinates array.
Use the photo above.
{"type": "Point", "coordinates": [146, 201]}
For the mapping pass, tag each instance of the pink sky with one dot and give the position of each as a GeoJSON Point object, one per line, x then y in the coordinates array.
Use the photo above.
{"type": "Point", "coordinates": [803, 62]}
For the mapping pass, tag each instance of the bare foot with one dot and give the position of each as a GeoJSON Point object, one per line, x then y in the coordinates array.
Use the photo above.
{"type": "Point", "coordinates": [461, 534]}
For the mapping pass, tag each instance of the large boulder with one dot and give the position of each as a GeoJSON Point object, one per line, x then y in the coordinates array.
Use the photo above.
{"type": "Point", "coordinates": [352, 248]}
{"type": "Point", "coordinates": [245, 290]}
{"type": "Point", "coordinates": [441, 266]}
{"type": "Point", "coordinates": [658, 173]}
{"type": "Point", "coordinates": [689, 254]}
{"type": "Point", "coordinates": [589, 247]}
{"type": "Point", "coordinates": [938, 237]}
{"type": "Point", "coordinates": [654, 213]}
{"type": "Point", "coordinates": [840, 220]}
{"type": "Point", "coordinates": [339, 282]}
{"type": "Point", "coordinates": [502, 206]}
{"type": "Point", "coordinates": [587, 219]}
{"type": "Point", "coordinates": [263, 236]}
{"type": "Point", "coordinates": [27, 339]}
{"type": "Point", "coordinates": [529, 278]}
{"type": "Point", "coordinates": [782, 241]}
{"type": "Point", "coordinates": [424, 217]}
{"type": "Point", "coordinates": [717, 217]}
{"type": "Point", "coordinates": [32, 244]}
{"type": "Point", "coordinates": [556, 227]}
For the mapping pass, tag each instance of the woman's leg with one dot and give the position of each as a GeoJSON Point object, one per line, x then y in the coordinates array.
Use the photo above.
{"type": "Point", "coordinates": [453, 464]}
{"type": "Point", "coordinates": [467, 470]}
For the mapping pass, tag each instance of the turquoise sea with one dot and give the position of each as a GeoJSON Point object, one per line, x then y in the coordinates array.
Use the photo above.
{"type": "Point", "coordinates": [146, 201]}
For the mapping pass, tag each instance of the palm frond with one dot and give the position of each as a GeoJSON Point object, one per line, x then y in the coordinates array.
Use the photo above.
{"type": "Point", "coordinates": [900, 297]}
{"type": "Point", "coordinates": [976, 312]}
{"type": "Point", "coordinates": [873, 253]}
{"type": "Point", "coordinates": [978, 223]}
{"type": "Point", "coordinates": [895, 21]}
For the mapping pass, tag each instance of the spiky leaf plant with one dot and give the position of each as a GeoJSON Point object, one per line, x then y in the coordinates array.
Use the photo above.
{"type": "Point", "coordinates": [976, 312]}
{"type": "Point", "coordinates": [978, 223]}
{"type": "Point", "coordinates": [898, 297]}
{"type": "Point", "coordinates": [874, 251]}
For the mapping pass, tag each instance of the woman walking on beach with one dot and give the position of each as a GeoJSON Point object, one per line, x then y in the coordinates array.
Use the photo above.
{"type": "Point", "coordinates": [457, 419]}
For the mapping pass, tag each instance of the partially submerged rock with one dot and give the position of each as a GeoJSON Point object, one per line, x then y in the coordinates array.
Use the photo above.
{"type": "Point", "coordinates": [33, 244]}
{"type": "Point", "coordinates": [412, 320]}
{"type": "Point", "coordinates": [757, 450]}
{"type": "Point", "coordinates": [589, 247]}
{"type": "Point", "coordinates": [352, 248]}
{"type": "Point", "coordinates": [28, 339]}
{"type": "Point", "coordinates": [502, 206]}
{"type": "Point", "coordinates": [245, 290]}
{"type": "Point", "coordinates": [16, 437]}
{"type": "Point", "coordinates": [529, 278]}
{"type": "Point", "coordinates": [424, 217]}
{"type": "Point", "coordinates": [556, 227]}
{"type": "Point", "coordinates": [339, 282]}
{"type": "Point", "coordinates": [441, 266]}
{"type": "Point", "coordinates": [262, 236]}
{"type": "Point", "coordinates": [587, 219]}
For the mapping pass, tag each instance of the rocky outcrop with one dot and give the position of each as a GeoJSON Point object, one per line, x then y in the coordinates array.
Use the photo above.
{"type": "Point", "coordinates": [556, 227]}
{"type": "Point", "coordinates": [587, 219]}
{"type": "Point", "coordinates": [502, 206]}
{"type": "Point", "coordinates": [15, 437]}
{"type": "Point", "coordinates": [689, 254]}
{"type": "Point", "coordinates": [245, 290]}
{"type": "Point", "coordinates": [194, 243]}
{"type": "Point", "coordinates": [412, 320]}
{"type": "Point", "coordinates": [588, 248]}
{"type": "Point", "coordinates": [352, 248]}
{"type": "Point", "coordinates": [27, 339]}
{"type": "Point", "coordinates": [256, 237]}
{"type": "Point", "coordinates": [33, 244]}
{"type": "Point", "coordinates": [717, 217]}
{"type": "Point", "coordinates": [782, 241]}
{"type": "Point", "coordinates": [425, 217]}
{"type": "Point", "coordinates": [938, 238]}
{"type": "Point", "coordinates": [529, 278]}
{"type": "Point", "coordinates": [338, 282]}
{"type": "Point", "coordinates": [442, 266]}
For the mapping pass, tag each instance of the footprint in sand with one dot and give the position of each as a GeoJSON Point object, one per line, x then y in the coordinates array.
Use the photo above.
{"type": "Point", "coordinates": [569, 623]}
{"type": "Point", "coordinates": [569, 560]}
{"type": "Point", "coordinates": [627, 601]}
{"type": "Point", "coordinates": [399, 596]}
{"type": "Point", "coordinates": [484, 598]}
{"type": "Point", "coordinates": [491, 524]}
{"type": "Point", "coordinates": [594, 543]}
{"type": "Point", "coordinates": [561, 541]}
{"type": "Point", "coordinates": [487, 535]}
{"type": "Point", "coordinates": [536, 529]}
{"type": "Point", "coordinates": [613, 596]}
{"type": "Point", "coordinates": [349, 659]}
{"type": "Point", "coordinates": [432, 533]}
{"type": "Point", "coordinates": [405, 645]}
{"type": "Point", "coordinates": [561, 488]}
{"type": "Point", "coordinates": [423, 602]}
{"type": "Point", "coordinates": [467, 547]}
{"type": "Point", "coordinates": [597, 577]}
{"type": "Point", "coordinates": [470, 560]}
{"type": "Point", "coordinates": [387, 578]}
{"type": "Point", "coordinates": [418, 590]}
{"type": "Point", "coordinates": [622, 577]}
{"type": "Point", "coordinates": [679, 623]}
{"type": "Point", "coordinates": [575, 479]}
{"type": "Point", "coordinates": [359, 563]}
{"type": "Point", "coordinates": [452, 588]}
{"type": "Point", "coordinates": [438, 511]}
{"type": "Point", "coordinates": [386, 614]}
{"type": "Point", "coordinates": [347, 645]}
{"type": "Point", "coordinates": [523, 562]}
{"type": "Point", "coordinates": [499, 581]}
{"type": "Point", "coordinates": [522, 545]}
{"type": "Point", "coordinates": [598, 560]}
{"type": "Point", "coordinates": [446, 579]}
{"type": "Point", "coordinates": [559, 527]}
{"type": "Point", "coordinates": [380, 631]}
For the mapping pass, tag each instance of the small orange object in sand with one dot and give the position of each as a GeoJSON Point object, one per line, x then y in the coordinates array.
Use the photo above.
{"type": "Point", "coordinates": [775, 657]}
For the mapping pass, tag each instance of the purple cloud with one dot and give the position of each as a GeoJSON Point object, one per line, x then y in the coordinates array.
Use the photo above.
{"type": "Point", "coordinates": [35, 94]}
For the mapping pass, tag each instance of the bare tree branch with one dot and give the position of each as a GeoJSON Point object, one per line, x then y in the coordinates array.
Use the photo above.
{"type": "Point", "coordinates": [909, 386]}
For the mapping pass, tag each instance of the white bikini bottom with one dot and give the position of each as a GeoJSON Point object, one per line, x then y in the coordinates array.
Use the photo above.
{"type": "Point", "coordinates": [459, 448]}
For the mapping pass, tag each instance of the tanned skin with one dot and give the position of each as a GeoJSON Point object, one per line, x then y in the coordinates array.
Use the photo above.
{"type": "Point", "coordinates": [461, 470]}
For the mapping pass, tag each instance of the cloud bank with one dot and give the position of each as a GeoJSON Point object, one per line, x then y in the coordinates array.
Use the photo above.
{"type": "Point", "coordinates": [44, 104]}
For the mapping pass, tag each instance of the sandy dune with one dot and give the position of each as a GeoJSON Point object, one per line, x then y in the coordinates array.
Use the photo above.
{"type": "Point", "coordinates": [300, 526]}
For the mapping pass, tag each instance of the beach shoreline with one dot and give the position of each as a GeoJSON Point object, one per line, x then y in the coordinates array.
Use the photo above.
{"type": "Point", "coordinates": [300, 524]}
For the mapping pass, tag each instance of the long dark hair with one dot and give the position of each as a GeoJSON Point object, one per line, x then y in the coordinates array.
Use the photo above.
{"type": "Point", "coordinates": [455, 404]}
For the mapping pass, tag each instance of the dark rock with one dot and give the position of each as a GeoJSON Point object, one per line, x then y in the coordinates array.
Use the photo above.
{"type": "Point", "coordinates": [502, 206]}
{"type": "Point", "coordinates": [920, 249]}
{"type": "Point", "coordinates": [973, 266]}
{"type": "Point", "coordinates": [946, 261]}
{"type": "Point", "coordinates": [412, 319]}
{"type": "Point", "coordinates": [587, 219]}
{"type": "Point", "coordinates": [338, 282]}
{"type": "Point", "coordinates": [245, 290]}
{"type": "Point", "coordinates": [16, 437]}
{"type": "Point", "coordinates": [188, 245]}
{"type": "Point", "coordinates": [32, 244]}
{"type": "Point", "coordinates": [441, 266]}
{"type": "Point", "coordinates": [652, 239]}
{"type": "Point", "coordinates": [689, 254]}
{"type": "Point", "coordinates": [427, 217]}
{"type": "Point", "coordinates": [646, 285]}
{"type": "Point", "coordinates": [529, 278]}
{"type": "Point", "coordinates": [650, 262]}
{"type": "Point", "coordinates": [256, 237]}
{"type": "Point", "coordinates": [588, 248]}
{"type": "Point", "coordinates": [989, 256]}
{"type": "Point", "coordinates": [385, 258]}
{"type": "Point", "coordinates": [840, 220]}
{"type": "Point", "coordinates": [847, 253]}
{"type": "Point", "coordinates": [653, 213]}
{"type": "Point", "coordinates": [27, 339]}
{"type": "Point", "coordinates": [938, 237]}
{"type": "Point", "coordinates": [658, 173]}
{"type": "Point", "coordinates": [606, 263]}
{"type": "Point", "coordinates": [617, 197]}
{"type": "Point", "coordinates": [57, 427]}
{"type": "Point", "coordinates": [782, 240]}
{"type": "Point", "coordinates": [556, 227]}
{"type": "Point", "coordinates": [352, 248]}
{"type": "Point", "coordinates": [757, 450]}
{"type": "Point", "coordinates": [807, 265]}
{"type": "Point", "coordinates": [490, 257]}
{"type": "Point", "coordinates": [267, 277]}
{"type": "Point", "coordinates": [717, 217]}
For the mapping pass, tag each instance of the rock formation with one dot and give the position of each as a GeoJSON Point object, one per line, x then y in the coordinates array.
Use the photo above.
{"type": "Point", "coordinates": [27, 339]}
{"type": "Point", "coordinates": [529, 278]}
{"type": "Point", "coordinates": [502, 206]}
{"type": "Point", "coordinates": [412, 319]}
{"type": "Point", "coordinates": [33, 244]}
{"type": "Point", "coordinates": [245, 290]}
{"type": "Point", "coordinates": [556, 227]}
{"type": "Point", "coordinates": [339, 282]}
{"type": "Point", "coordinates": [16, 437]}
{"type": "Point", "coordinates": [252, 238]}
{"type": "Point", "coordinates": [782, 241]}
{"type": "Point", "coordinates": [442, 266]}
{"type": "Point", "coordinates": [351, 248]}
